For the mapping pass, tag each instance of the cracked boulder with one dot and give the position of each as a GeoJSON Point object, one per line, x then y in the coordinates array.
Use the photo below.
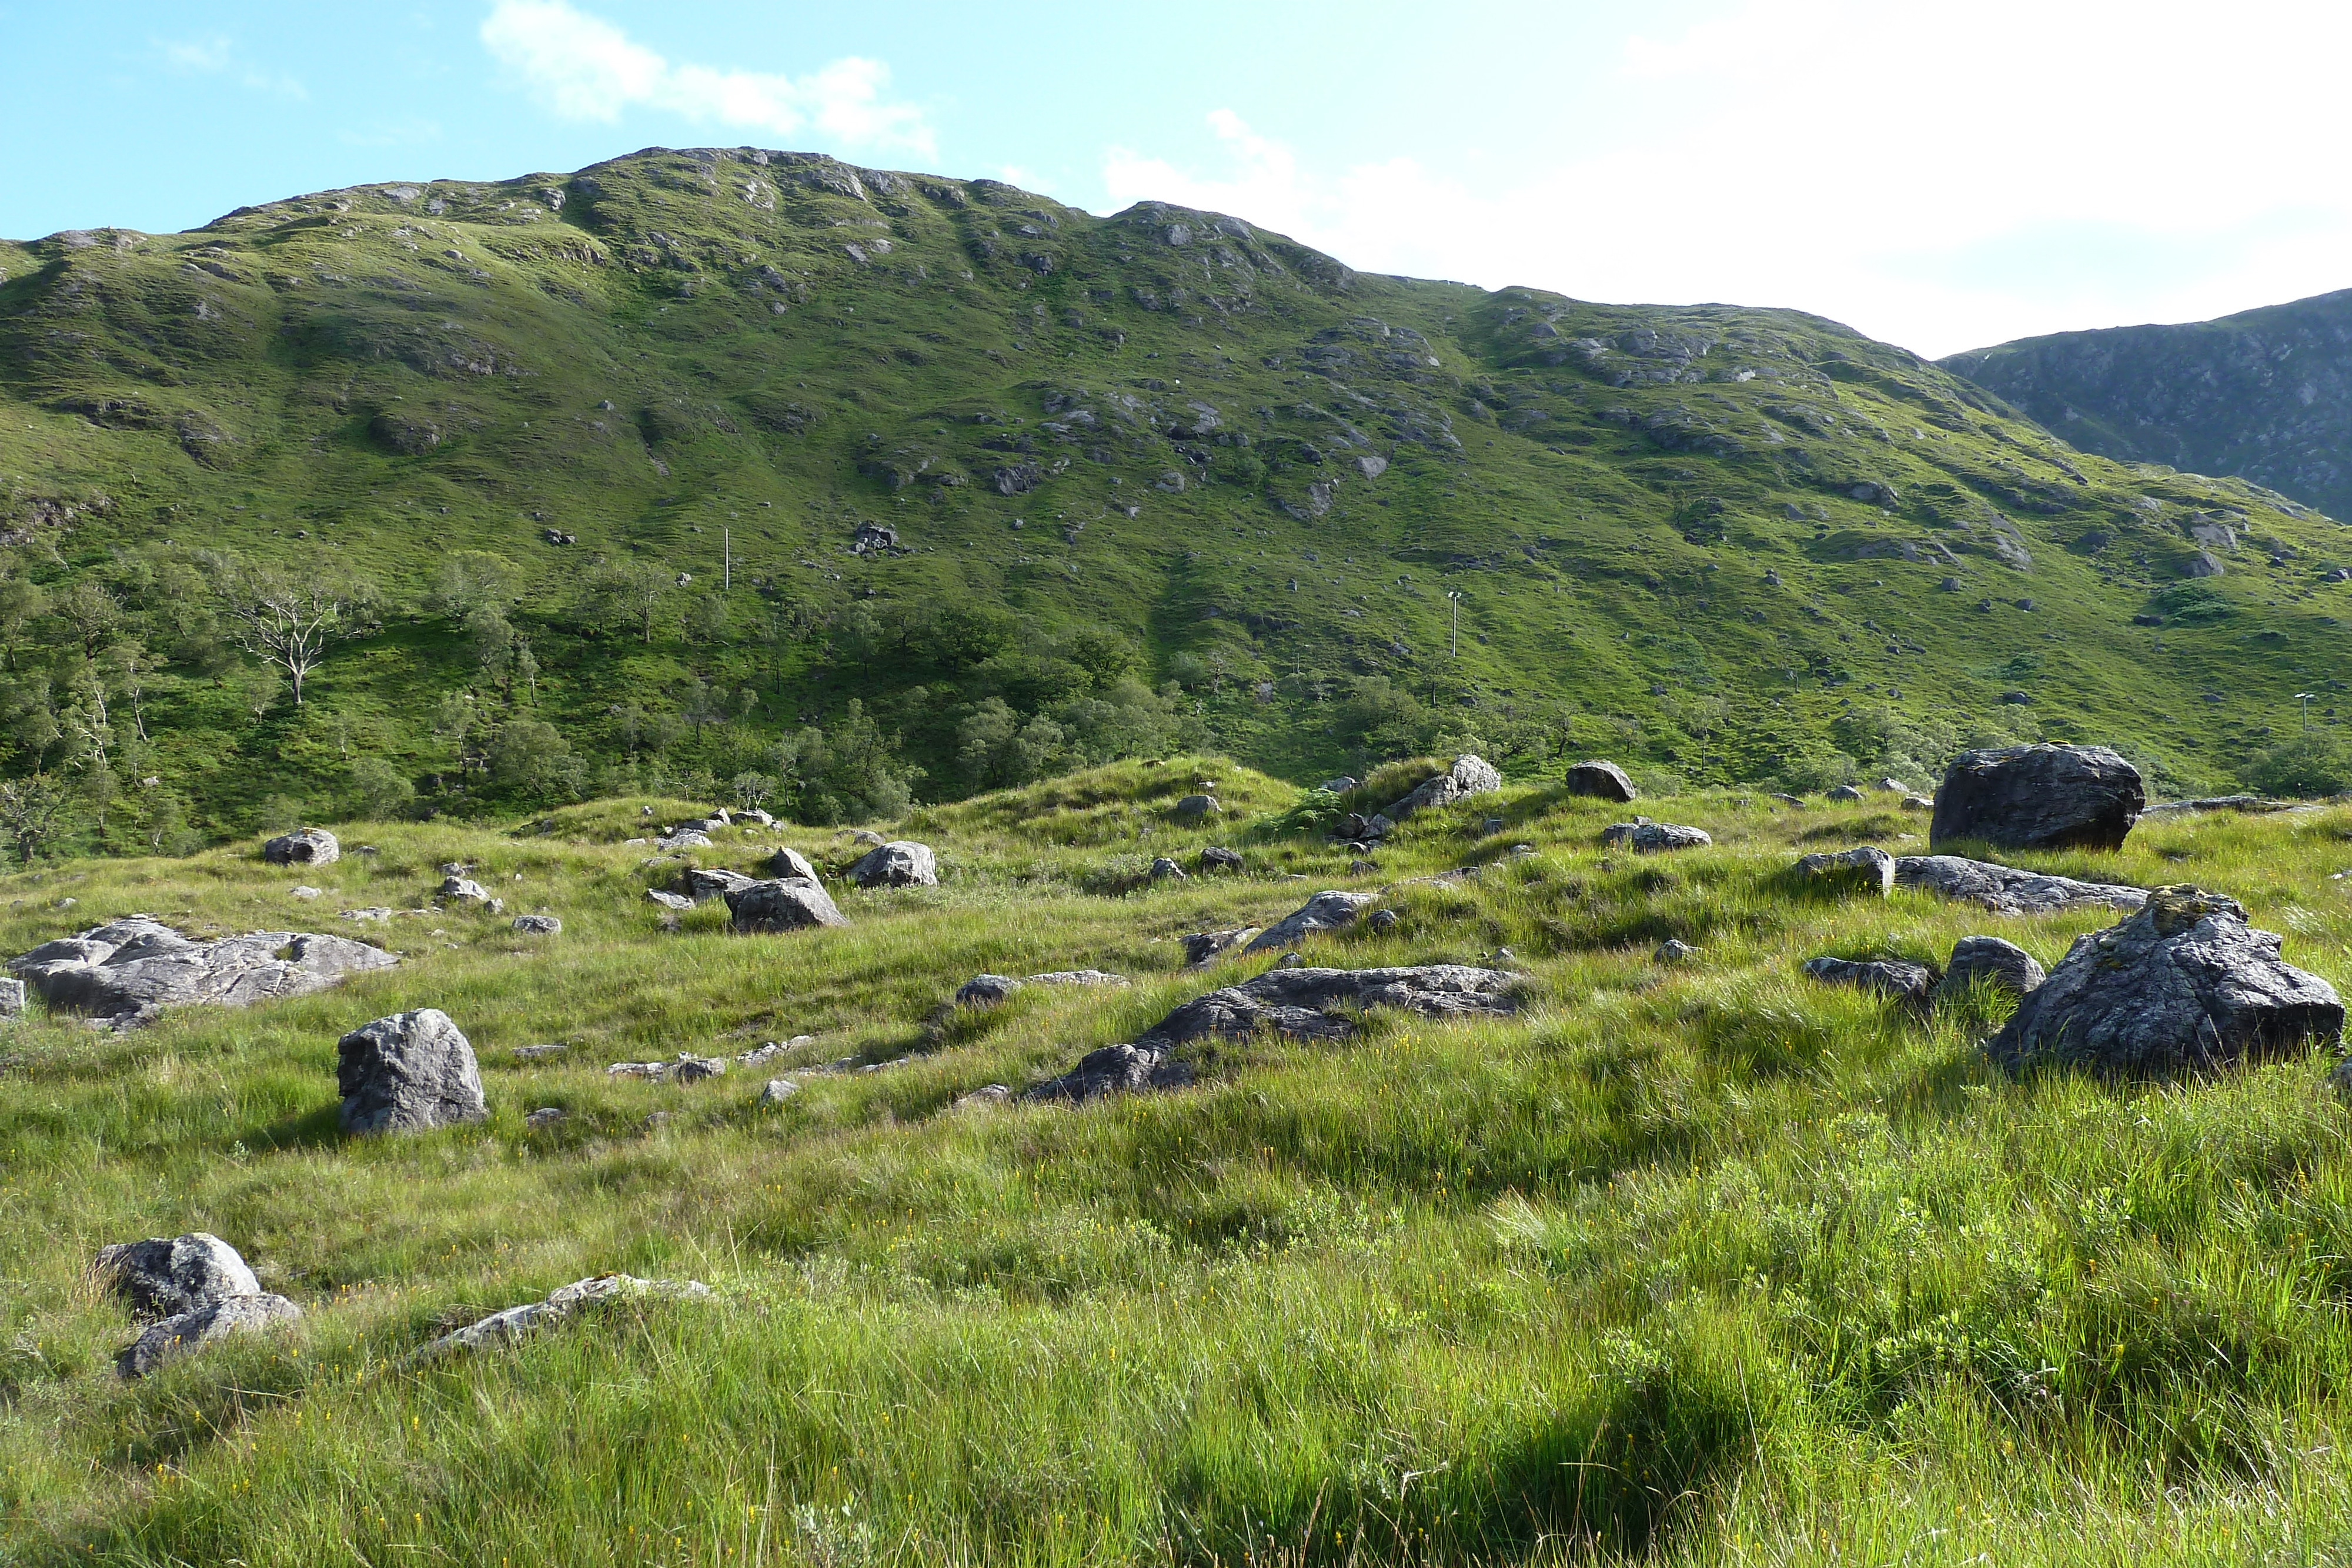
{"type": "Point", "coordinates": [2185, 985]}
{"type": "Point", "coordinates": [1314, 1004]}
{"type": "Point", "coordinates": [303, 846]}
{"type": "Point", "coordinates": [1329, 911]}
{"type": "Point", "coordinates": [902, 863]}
{"type": "Point", "coordinates": [1469, 775]}
{"type": "Point", "coordinates": [2005, 889]}
{"type": "Point", "coordinates": [2040, 797]}
{"type": "Point", "coordinates": [127, 970]}
{"type": "Point", "coordinates": [1602, 781]}
{"type": "Point", "coordinates": [786, 904]}
{"type": "Point", "coordinates": [198, 1289]}
{"type": "Point", "coordinates": [1645, 837]}
{"type": "Point", "coordinates": [215, 1319]}
{"type": "Point", "coordinates": [408, 1074]}
{"type": "Point", "coordinates": [1890, 978]}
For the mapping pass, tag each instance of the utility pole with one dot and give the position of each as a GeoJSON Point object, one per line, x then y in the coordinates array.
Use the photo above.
{"type": "Point", "coordinates": [726, 559]}
{"type": "Point", "coordinates": [2304, 698]}
{"type": "Point", "coordinates": [1454, 594]}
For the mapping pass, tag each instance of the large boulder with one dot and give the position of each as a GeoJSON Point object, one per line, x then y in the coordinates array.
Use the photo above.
{"type": "Point", "coordinates": [214, 1319]}
{"type": "Point", "coordinates": [1890, 978]}
{"type": "Point", "coordinates": [1645, 837]}
{"type": "Point", "coordinates": [902, 863]}
{"type": "Point", "coordinates": [2005, 889]}
{"type": "Point", "coordinates": [1328, 911]}
{"type": "Point", "coordinates": [1115, 1070]}
{"type": "Point", "coordinates": [1989, 961]}
{"type": "Point", "coordinates": [1469, 775]}
{"type": "Point", "coordinates": [406, 1073]}
{"type": "Point", "coordinates": [1603, 781]}
{"type": "Point", "coordinates": [1308, 1003]}
{"type": "Point", "coordinates": [127, 970]}
{"type": "Point", "coordinates": [703, 884]}
{"type": "Point", "coordinates": [2040, 797]}
{"type": "Point", "coordinates": [783, 904]}
{"type": "Point", "coordinates": [1867, 871]}
{"type": "Point", "coordinates": [164, 1275]}
{"type": "Point", "coordinates": [303, 846]}
{"type": "Point", "coordinates": [2183, 985]}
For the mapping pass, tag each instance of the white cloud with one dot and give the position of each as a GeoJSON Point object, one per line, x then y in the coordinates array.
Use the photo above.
{"type": "Point", "coordinates": [1938, 176]}
{"type": "Point", "coordinates": [218, 56]}
{"type": "Point", "coordinates": [586, 68]}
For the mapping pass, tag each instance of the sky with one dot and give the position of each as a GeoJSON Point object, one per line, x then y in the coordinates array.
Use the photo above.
{"type": "Point", "coordinates": [1943, 175]}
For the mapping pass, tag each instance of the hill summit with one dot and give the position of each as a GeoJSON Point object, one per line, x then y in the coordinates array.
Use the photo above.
{"type": "Point", "coordinates": [732, 468]}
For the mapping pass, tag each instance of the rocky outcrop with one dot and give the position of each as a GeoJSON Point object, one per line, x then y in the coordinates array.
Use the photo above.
{"type": "Point", "coordinates": [2005, 889]}
{"type": "Point", "coordinates": [1332, 910]}
{"type": "Point", "coordinates": [2040, 797]}
{"type": "Point", "coordinates": [783, 904]}
{"type": "Point", "coordinates": [902, 863]}
{"type": "Point", "coordinates": [303, 846]}
{"type": "Point", "coordinates": [198, 1289]}
{"type": "Point", "coordinates": [1867, 871]}
{"type": "Point", "coordinates": [1645, 837]}
{"type": "Point", "coordinates": [1890, 978]}
{"type": "Point", "coordinates": [1603, 781]}
{"type": "Point", "coordinates": [407, 1073]}
{"type": "Point", "coordinates": [558, 1306]}
{"type": "Point", "coordinates": [703, 883]}
{"type": "Point", "coordinates": [1469, 775]}
{"type": "Point", "coordinates": [1114, 1070]}
{"type": "Point", "coordinates": [1987, 961]}
{"type": "Point", "coordinates": [986, 990]}
{"type": "Point", "coordinates": [1307, 1003]}
{"type": "Point", "coordinates": [128, 969]}
{"type": "Point", "coordinates": [2185, 985]}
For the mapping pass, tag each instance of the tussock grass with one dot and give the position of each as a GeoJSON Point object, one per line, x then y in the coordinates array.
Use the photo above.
{"type": "Point", "coordinates": [1704, 1264]}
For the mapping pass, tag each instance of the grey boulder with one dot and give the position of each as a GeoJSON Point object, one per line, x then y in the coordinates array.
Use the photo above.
{"type": "Point", "coordinates": [1216, 858]}
{"type": "Point", "coordinates": [1306, 1003]}
{"type": "Point", "coordinates": [784, 904]}
{"type": "Point", "coordinates": [165, 1275]}
{"type": "Point", "coordinates": [407, 1073]}
{"type": "Point", "coordinates": [1469, 775]}
{"type": "Point", "coordinates": [1196, 806]}
{"type": "Point", "coordinates": [2005, 889]}
{"type": "Point", "coordinates": [1644, 836]}
{"type": "Point", "coordinates": [1867, 871]}
{"type": "Point", "coordinates": [1329, 911]}
{"type": "Point", "coordinates": [557, 1306]}
{"type": "Point", "coordinates": [1845, 795]}
{"type": "Point", "coordinates": [1890, 978]}
{"type": "Point", "coordinates": [539, 925]}
{"type": "Point", "coordinates": [2040, 797]}
{"type": "Point", "coordinates": [303, 846]}
{"type": "Point", "coordinates": [464, 890]}
{"type": "Point", "coordinates": [1202, 946]}
{"type": "Point", "coordinates": [128, 969]}
{"type": "Point", "coordinates": [902, 863]}
{"type": "Point", "coordinates": [704, 883]}
{"type": "Point", "coordinates": [788, 864]}
{"type": "Point", "coordinates": [1166, 870]}
{"type": "Point", "coordinates": [214, 1319]}
{"type": "Point", "coordinates": [1989, 961]}
{"type": "Point", "coordinates": [2184, 985]}
{"type": "Point", "coordinates": [1114, 1070]}
{"type": "Point", "coordinates": [985, 990]}
{"type": "Point", "coordinates": [1603, 781]}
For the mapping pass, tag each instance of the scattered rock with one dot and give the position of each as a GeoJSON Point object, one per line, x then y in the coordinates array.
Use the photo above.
{"type": "Point", "coordinates": [1674, 950]}
{"type": "Point", "coordinates": [1197, 806]}
{"type": "Point", "coordinates": [214, 1319]}
{"type": "Point", "coordinates": [1384, 920]}
{"type": "Point", "coordinates": [1917, 803]}
{"type": "Point", "coordinates": [1890, 978]}
{"type": "Point", "coordinates": [2184, 985]}
{"type": "Point", "coordinates": [1202, 946]}
{"type": "Point", "coordinates": [2039, 797]}
{"type": "Point", "coordinates": [1328, 911]}
{"type": "Point", "coordinates": [1215, 858]}
{"type": "Point", "coordinates": [1790, 799]}
{"type": "Point", "coordinates": [504, 1328]}
{"type": "Point", "coordinates": [406, 1073]}
{"type": "Point", "coordinates": [987, 1094]}
{"type": "Point", "coordinates": [464, 890]}
{"type": "Point", "coordinates": [1844, 794]}
{"type": "Point", "coordinates": [165, 1275]}
{"type": "Point", "coordinates": [701, 884]}
{"type": "Point", "coordinates": [302, 892]}
{"type": "Point", "coordinates": [1892, 786]}
{"type": "Point", "coordinates": [1602, 780]}
{"type": "Point", "coordinates": [2005, 889]}
{"type": "Point", "coordinates": [1078, 977]}
{"type": "Point", "coordinates": [1646, 837]}
{"type": "Point", "coordinates": [668, 900]}
{"type": "Point", "coordinates": [1303, 1003]}
{"type": "Point", "coordinates": [539, 925]}
{"type": "Point", "coordinates": [303, 846]}
{"type": "Point", "coordinates": [985, 990]}
{"type": "Point", "coordinates": [12, 998]}
{"type": "Point", "coordinates": [1165, 869]}
{"type": "Point", "coordinates": [684, 839]}
{"type": "Point", "coordinates": [538, 1052]}
{"type": "Point", "coordinates": [899, 863]}
{"type": "Point", "coordinates": [778, 1090]}
{"type": "Point", "coordinates": [1469, 775]}
{"type": "Point", "coordinates": [1867, 870]}
{"type": "Point", "coordinates": [783, 904]}
{"type": "Point", "coordinates": [1114, 1070]}
{"type": "Point", "coordinates": [127, 970]}
{"type": "Point", "coordinates": [1988, 960]}
{"type": "Point", "coordinates": [545, 1116]}
{"type": "Point", "coordinates": [695, 1068]}
{"type": "Point", "coordinates": [1339, 786]}
{"type": "Point", "coordinates": [789, 864]}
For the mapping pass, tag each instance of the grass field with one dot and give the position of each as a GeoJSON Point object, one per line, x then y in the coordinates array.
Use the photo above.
{"type": "Point", "coordinates": [1704, 1264]}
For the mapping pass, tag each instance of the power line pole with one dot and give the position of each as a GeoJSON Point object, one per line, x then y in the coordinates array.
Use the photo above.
{"type": "Point", "coordinates": [726, 559]}
{"type": "Point", "coordinates": [1456, 595]}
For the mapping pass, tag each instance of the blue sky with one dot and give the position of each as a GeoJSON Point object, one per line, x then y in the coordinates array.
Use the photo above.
{"type": "Point", "coordinates": [1939, 174]}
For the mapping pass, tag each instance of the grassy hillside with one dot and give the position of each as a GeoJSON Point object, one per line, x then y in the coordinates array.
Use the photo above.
{"type": "Point", "coordinates": [2265, 393]}
{"type": "Point", "coordinates": [1702, 1264]}
{"type": "Point", "coordinates": [1160, 479]}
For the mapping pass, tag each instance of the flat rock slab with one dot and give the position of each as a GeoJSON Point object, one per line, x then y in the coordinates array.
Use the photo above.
{"type": "Point", "coordinates": [1331, 910]}
{"type": "Point", "coordinates": [1645, 837]}
{"type": "Point", "coordinates": [556, 1306]}
{"type": "Point", "coordinates": [1302, 1002]}
{"type": "Point", "coordinates": [1889, 978]}
{"type": "Point", "coordinates": [2185, 985]}
{"type": "Point", "coordinates": [127, 970]}
{"type": "Point", "coordinates": [702, 884]}
{"type": "Point", "coordinates": [2040, 797]}
{"type": "Point", "coordinates": [2005, 889]}
{"type": "Point", "coordinates": [785, 903]}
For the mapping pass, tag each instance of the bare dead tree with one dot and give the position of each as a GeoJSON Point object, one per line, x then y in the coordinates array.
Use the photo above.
{"type": "Point", "coordinates": [290, 622]}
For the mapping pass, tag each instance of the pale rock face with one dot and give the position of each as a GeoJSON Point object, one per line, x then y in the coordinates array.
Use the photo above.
{"type": "Point", "coordinates": [127, 970]}
{"type": "Point", "coordinates": [1329, 911]}
{"type": "Point", "coordinates": [409, 1072]}
{"type": "Point", "coordinates": [902, 863]}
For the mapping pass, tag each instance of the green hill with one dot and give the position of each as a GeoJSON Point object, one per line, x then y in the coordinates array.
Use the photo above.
{"type": "Point", "coordinates": [1156, 480]}
{"type": "Point", "coordinates": [2265, 393]}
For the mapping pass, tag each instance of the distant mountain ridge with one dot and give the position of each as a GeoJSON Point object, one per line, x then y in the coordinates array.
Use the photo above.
{"type": "Point", "coordinates": [2265, 393]}
{"type": "Point", "coordinates": [663, 464]}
